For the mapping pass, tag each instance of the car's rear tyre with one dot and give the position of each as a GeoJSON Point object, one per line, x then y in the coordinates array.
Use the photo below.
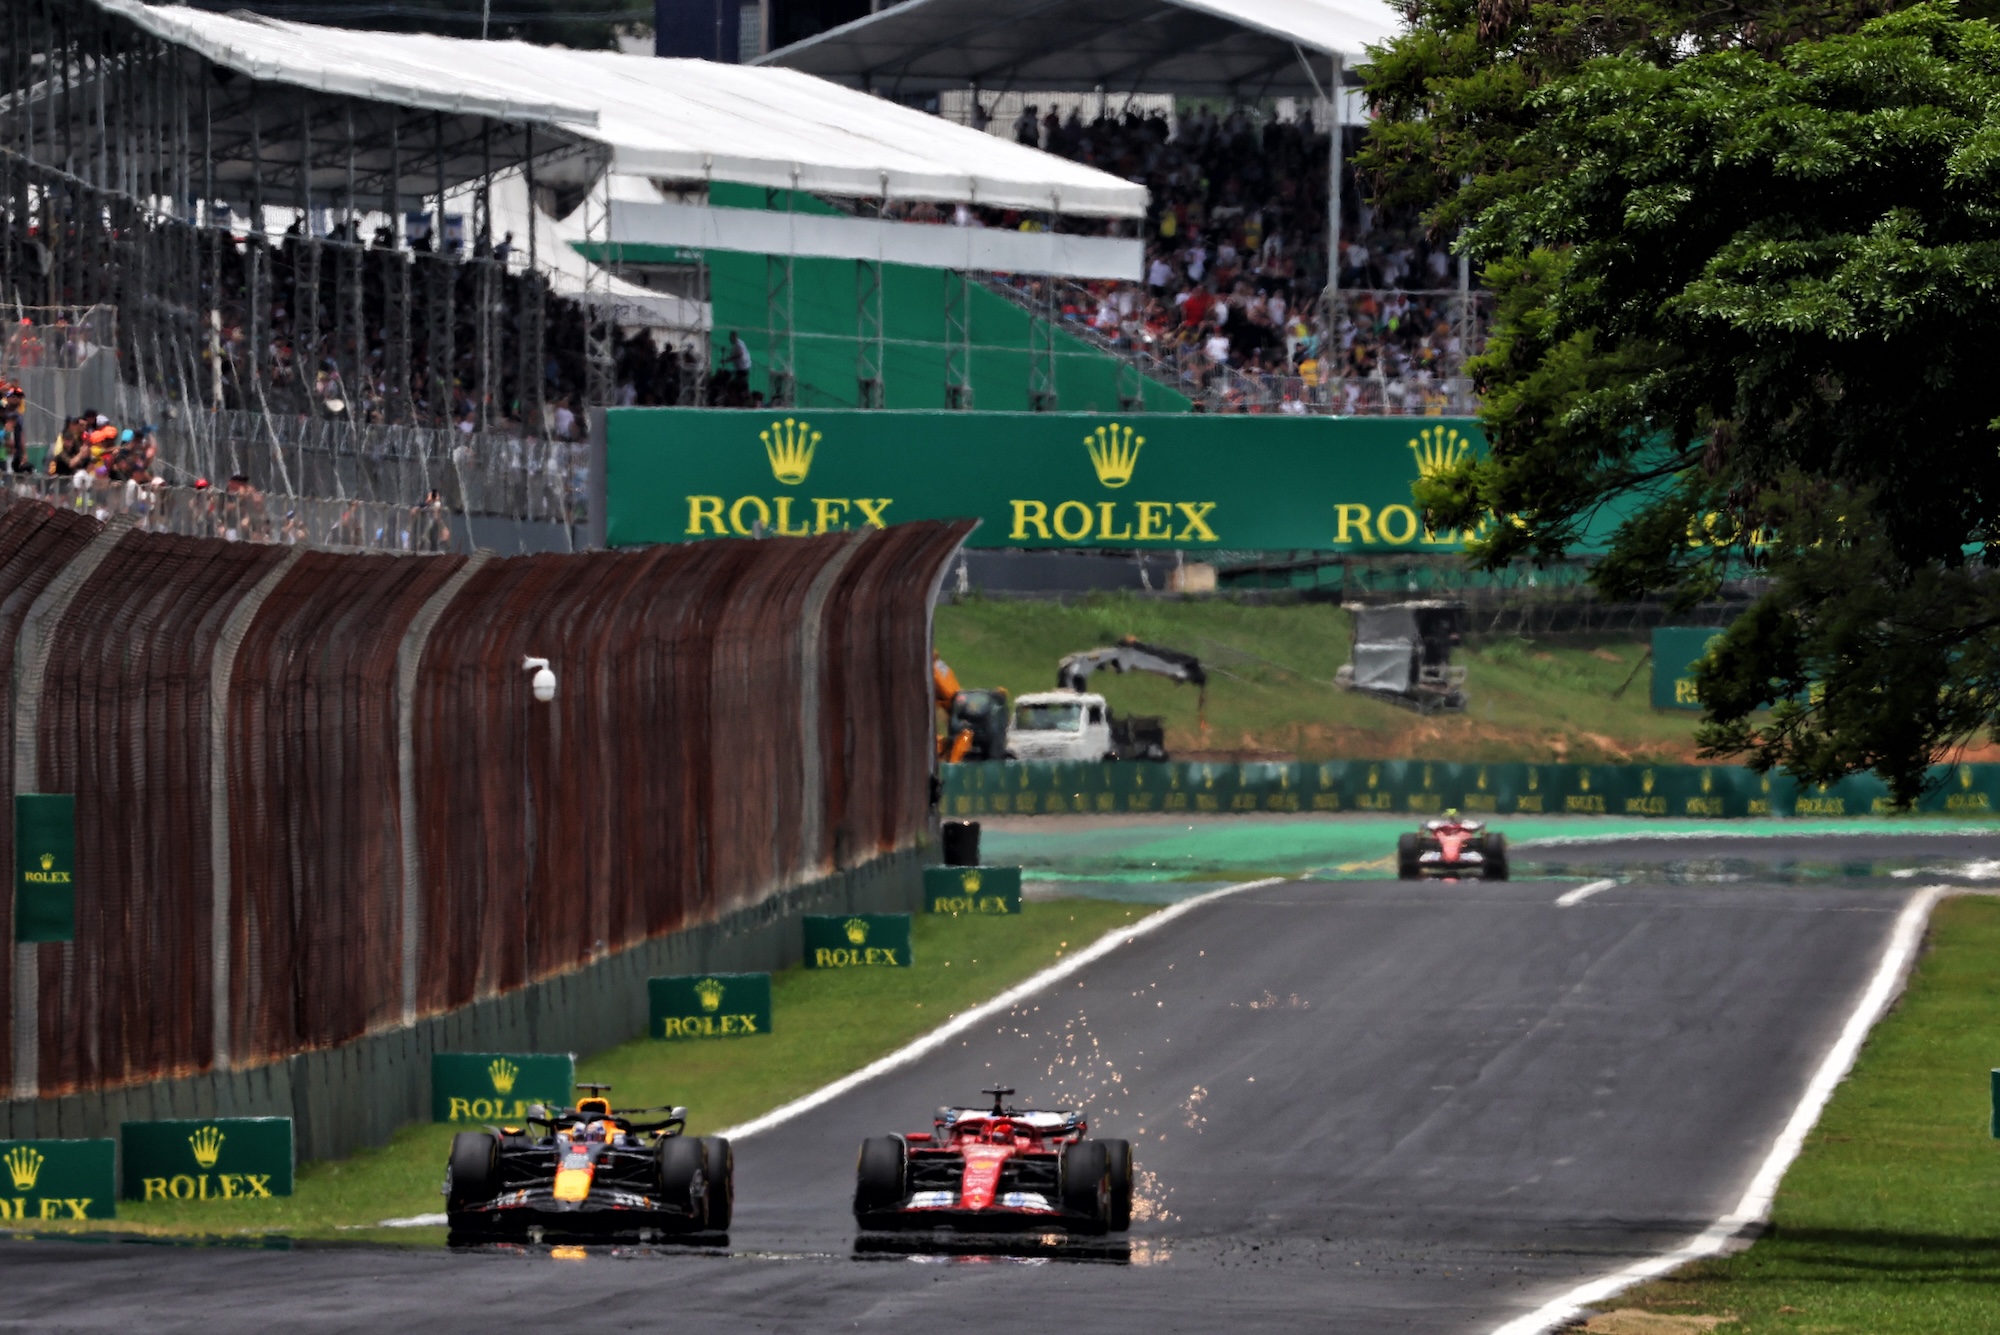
{"type": "Point", "coordinates": [677, 1163]}
{"type": "Point", "coordinates": [1495, 848]}
{"type": "Point", "coordinates": [474, 1172]}
{"type": "Point", "coordinates": [1086, 1183]}
{"type": "Point", "coordinates": [1118, 1162]}
{"type": "Point", "coordinates": [881, 1173]}
{"type": "Point", "coordinates": [718, 1175]}
{"type": "Point", "coordinates": [1407, 849]}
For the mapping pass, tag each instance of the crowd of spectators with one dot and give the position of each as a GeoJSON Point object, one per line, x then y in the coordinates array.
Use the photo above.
{"type": "Point", "coordinates": [1232, 306]}
{"type": "Point", "coordinates": [346, 370]}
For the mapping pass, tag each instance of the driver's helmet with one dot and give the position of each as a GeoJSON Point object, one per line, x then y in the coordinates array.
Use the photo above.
{"type": "Point", "coordinates": [1451, 813]}
{"type": "Point", "coordinates": [998, 1132]}
{"type": "Point", "coordinates": [581, 1131]}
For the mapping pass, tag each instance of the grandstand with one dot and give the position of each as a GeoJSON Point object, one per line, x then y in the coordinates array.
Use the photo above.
{"type": "Point", "coordinates": [370, 267]}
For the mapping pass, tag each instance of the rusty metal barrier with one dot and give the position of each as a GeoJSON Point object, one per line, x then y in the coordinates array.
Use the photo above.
{"type": "Point", "coordinates": [733, 719]}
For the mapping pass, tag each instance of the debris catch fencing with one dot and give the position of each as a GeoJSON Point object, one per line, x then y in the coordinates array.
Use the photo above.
{"type": "Point", "coordinates": [316, 797]}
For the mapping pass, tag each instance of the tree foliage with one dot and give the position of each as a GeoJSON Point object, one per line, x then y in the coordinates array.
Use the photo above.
{"type": "Point", "coordinates": [1746, 265]}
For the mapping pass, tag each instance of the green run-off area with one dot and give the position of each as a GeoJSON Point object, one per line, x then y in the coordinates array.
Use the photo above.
{"type": "Point", "coordinates": [1889, 1223]}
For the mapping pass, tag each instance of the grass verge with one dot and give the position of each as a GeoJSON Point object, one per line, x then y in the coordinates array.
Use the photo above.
{"type": "Point", "coordinates": [1890, 1220]}
{"type": "Point", "coordinates": [1271, 688]}
{"type": "Point", "coordinates": [825, 1022]}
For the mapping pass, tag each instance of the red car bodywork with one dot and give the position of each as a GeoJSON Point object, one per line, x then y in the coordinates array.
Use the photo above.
{"type": "Point", "coordinates": [1451, 846]}
{"type": "Point", "coordinates": [994, 1169]}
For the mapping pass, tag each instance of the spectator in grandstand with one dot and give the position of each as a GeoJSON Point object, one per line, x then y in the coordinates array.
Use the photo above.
{"type": "Point", "coordinates": [13, 427]}
{"type": "Point", "coordinates": [1026, 129]}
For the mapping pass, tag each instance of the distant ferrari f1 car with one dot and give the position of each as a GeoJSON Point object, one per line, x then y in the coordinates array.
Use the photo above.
{"type": "Point", "coordinates": [996, 1168]}
{"type": "Point", "coordinates": [1452, 846]}
{"type": "Point", "coordinates": [588, 1169]}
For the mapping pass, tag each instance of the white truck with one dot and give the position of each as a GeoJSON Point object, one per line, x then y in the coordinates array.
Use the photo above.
{"type": "Point", "coordinates": [1061, 725]}
{"type": "Point", "coordinates": [1079, 725]}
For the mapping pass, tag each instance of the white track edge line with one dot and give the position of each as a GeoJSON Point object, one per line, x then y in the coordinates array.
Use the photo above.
{"type": "Point", "coordinates": [1770, 831]}
{"type": "Point", "coordinates": [1883, 988]}
{"type": "Point", "coordinates": [1583, 892]}
{"type": "Point", "coordinates": [1006, 1001]}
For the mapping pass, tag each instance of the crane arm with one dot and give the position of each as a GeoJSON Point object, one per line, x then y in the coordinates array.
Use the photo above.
{"type": "Point", "coordinates": [1129, 655]}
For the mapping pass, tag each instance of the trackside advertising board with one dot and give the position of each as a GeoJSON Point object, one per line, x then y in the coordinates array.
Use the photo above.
{"type": "Point", "coordinates": [498, 1086]}
{"type": "Point", "coordinates": [857, 940]}
{"type": "Point", "coordinates": [220, 1159]}
{"type": "Point", "coordinates": [1165, 481]}
{"type": "Point", "coordinates": [1676, 649]}
{"type": "Point", "coordinates": [44, 867]}
{"type": "Point", "coordinates": [57, 1179]}
{"type": "Point", "coordinates": [1426, 787]}
{"type": "Point", "coordinates": [709, 1005]}
{"type": "Point", "coordinates": [981, 890]}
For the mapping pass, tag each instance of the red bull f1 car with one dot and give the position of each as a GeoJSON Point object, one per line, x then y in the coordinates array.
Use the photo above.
{"type": "Point", "coordinates": [1452, 846]}
{"type": "Point", "coordinates": [589, 1170]}
{"type": "Point", "coordinates": [997, 1168]}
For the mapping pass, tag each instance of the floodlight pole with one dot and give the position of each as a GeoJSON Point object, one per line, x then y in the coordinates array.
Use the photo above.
{"type": "Point", "coordinates": [1330, 350]}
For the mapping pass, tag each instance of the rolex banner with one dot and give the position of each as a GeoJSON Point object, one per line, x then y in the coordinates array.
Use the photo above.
{"type": "Point", "coordinates": [498, 1086]}
{"type": "Point", "coordinates": [44, 867]}
{"type": "Point", "coordinates": [972, 890]}
{"type": "Point", "coordinates": [220, 1159]}
{"type": "Point", "coordinates": [58, 1179]}
{"type": "Point", "coordinates": [1676, 649]}
{"type": "Point", "coordinates": [1427, 787]}
{"type": "Point", "coordinates": [710, 1005]}
{"type": "Point", "coordinates": [1166, 481]}
{"type": "Point", "coordinates": [857, 940]}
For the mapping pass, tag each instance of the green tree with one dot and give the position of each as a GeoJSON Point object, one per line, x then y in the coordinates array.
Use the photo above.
{"type": "Point", "coordinates": [1746, 268]}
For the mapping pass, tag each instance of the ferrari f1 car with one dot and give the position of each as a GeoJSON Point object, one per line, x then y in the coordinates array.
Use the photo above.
{"type": "Point", "coordinates": [997, 1168]}
{"type": "Point", "coordinates": [589, 1170]}
{"type": "Point", "coordinates": [1452, 846]}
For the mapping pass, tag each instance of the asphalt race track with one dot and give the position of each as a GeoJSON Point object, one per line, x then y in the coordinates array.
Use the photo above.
{"type": "Point", "coordinates": [1354, 1106]}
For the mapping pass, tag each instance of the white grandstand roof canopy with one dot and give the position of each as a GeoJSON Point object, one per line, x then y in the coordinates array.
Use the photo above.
{"type": "Point", "coordinates": [678, 120]}
{"type": "Point", "coordinates": [1206, 48]}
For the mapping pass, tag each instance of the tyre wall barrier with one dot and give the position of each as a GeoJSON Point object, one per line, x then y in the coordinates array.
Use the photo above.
{"type": "Point", "coordinates": [1425, 787]}
{"type": "Point", "coordinates": [346, 1098]}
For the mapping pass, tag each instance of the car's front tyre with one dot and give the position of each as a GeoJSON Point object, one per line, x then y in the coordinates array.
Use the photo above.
{"type": "Point", "coordinates": [881, 1175]}
{"type": "Point", "coordinates": [1408, 848]}
{"type": "Point", "coordinates": [718, 1175]}
{"type": "Point", "coordinates": [1118, 1162]}
{"type": "Point", "coordinates": [1495, 848]}
{"type": "Point", "coordinates": [473, 1174]}
{"type": "Point", "coordinates": [1086, 1183]}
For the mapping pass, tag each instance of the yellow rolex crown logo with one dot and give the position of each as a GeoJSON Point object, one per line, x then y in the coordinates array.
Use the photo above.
{"type": "Point", "coordinates": [972, 881]}
{"type": "Point", "coordinates": [1482, 778]}
{"type": "Point", "coordinates": [1439, 449]}
{"type": "Point", "coordinates": [207, 1144]}
{"type": "Point", "coordinates": [1646, 781]}
{"type": "Point", "coordinates": [857, 931]}
{"type": "Point", "coordinates": [1707, 782]}
{"type": "Point", "coordinates": [48, 861]}
{"type": "Point", "coordinates": [710, 992]}
{"type": "Point", "coordinates": [24, 1165]}
{"type": "Point", "coordinates": [504, 1074]}
{"type": "Point", "coordinates": [789, 445]}
{"type": "Point", "coordinates": [1114, 453]}
{"type": "Point", "coordinates": [1965, 776]}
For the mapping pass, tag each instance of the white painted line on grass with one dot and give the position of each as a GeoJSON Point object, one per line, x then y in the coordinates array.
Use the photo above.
{"type": "Point", "coordinates": [1890, 975]}
{"type": "Point", "coordinates": [417, 1221]}
{"type": "Point", "coordinates": [1583, 892]}
{"type": "Point", "coordinates": [999, 1005]}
